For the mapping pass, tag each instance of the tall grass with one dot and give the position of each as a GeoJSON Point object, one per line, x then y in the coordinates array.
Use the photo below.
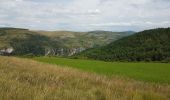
{"type": "Point", "coordinates": [23, 79]}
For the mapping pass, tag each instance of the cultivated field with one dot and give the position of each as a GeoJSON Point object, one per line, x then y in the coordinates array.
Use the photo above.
{"type": "Point", "coordinates": [23, 79]}
{"type": "Point", "coordinates": [149, 72]}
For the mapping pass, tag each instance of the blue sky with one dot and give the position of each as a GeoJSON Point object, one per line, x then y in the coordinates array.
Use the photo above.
{"type": "Point", "coordinates": [85, 15]}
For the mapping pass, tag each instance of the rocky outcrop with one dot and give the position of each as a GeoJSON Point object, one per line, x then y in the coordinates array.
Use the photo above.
{"type": "Point", "coordinates": [6, 51]}
{"type": "Point", "coordinates": [63, 51]}
{"type": "Point", "coordinates": [49, 51]}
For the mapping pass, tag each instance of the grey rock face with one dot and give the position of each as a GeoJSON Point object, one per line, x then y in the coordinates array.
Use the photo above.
{"type": "Point", "coordinates": [6, 51]}
{"type": "Point", "coordinates": [63, 51]}
{"type": "Point", "coordinates": [49, 51]}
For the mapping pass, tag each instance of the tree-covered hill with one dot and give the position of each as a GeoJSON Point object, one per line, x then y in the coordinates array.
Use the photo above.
{"type": "Point", "coordinates": [61, 43]}
{"type": "Point", "coordinates": [148, 45]}
{"type": "Point", "coordinates": [24, 41]}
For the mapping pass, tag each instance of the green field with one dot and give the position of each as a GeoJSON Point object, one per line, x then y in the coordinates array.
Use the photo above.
{"type": "Point", "coordinates": [149, 72]}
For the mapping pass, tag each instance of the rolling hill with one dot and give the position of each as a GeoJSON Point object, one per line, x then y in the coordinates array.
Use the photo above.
{"type": "Point", "coordinates": [60, 43]}
{"type": "Point", "coordinates": [148, 45]}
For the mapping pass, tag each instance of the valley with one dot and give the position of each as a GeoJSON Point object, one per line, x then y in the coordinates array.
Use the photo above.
{"type": "Point", "coordinates": [96, 65]}
{"type": "Point", "coordinates": [84, 50]}
{"type": "Point", "coordinates": [53, 43]}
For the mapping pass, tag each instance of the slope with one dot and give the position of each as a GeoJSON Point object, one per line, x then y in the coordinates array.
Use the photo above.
{"type": "Point", "coordinates": [149, 45]}
{"type": "Point", "coordinates": [23, 79]}
{"type": "Point", "coordinates": [60, 43]}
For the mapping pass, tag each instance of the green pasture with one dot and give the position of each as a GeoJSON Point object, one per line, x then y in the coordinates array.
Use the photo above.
{"type": "Point", "coordinates": [149, 72]}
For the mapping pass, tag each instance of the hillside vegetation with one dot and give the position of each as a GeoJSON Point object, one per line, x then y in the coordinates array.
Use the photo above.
{"type": "Point", "coordinates": [84, 39]}
{"type": "Point", "coordinates": [25, 41]}
{"type": "Point", "coordinates": [23, 79]}
{"type": "Point", "coordinates": [149, 45]}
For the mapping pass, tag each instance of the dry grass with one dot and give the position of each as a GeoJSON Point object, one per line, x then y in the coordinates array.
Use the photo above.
{"type": "Point", "coordinates": [23, 79]}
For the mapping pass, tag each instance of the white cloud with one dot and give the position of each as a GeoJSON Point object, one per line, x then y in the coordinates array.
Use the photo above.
{"type": "Point", "coordinates": [85, 14]}
{"type": "Point", "coordinates": [112, 24]}
{"type": "Point", "coordinates": [19, 0]}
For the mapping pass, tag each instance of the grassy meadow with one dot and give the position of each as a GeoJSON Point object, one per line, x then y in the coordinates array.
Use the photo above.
{"type": "Point", "coordinates": [149, 72]}
{"type": "Point", "coordinates": [25, 79]}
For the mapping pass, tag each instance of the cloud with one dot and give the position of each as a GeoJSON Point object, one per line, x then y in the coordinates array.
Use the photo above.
{"type": "Point", "coordinates": [84, 15]}
{"type": "Point", "coordinates": [112, 24]}
{"type": "Point", "coordinates": [18, 0]}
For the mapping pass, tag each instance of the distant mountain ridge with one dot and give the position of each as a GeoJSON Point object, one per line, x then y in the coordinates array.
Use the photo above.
{"type": "Point", "coordinates": [148, 45]}
{"type": "Point", "coordinates": [55, 43]}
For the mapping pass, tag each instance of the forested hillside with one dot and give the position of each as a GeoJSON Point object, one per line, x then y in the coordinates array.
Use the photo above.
{"type": "Point", "coordinates": [149, 45]}
{"type": "Point", "coordinates": [17, 41]}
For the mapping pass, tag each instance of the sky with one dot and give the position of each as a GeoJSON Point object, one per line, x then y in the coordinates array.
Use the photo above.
{"type": "Point", "coordinates": [85, 15]}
